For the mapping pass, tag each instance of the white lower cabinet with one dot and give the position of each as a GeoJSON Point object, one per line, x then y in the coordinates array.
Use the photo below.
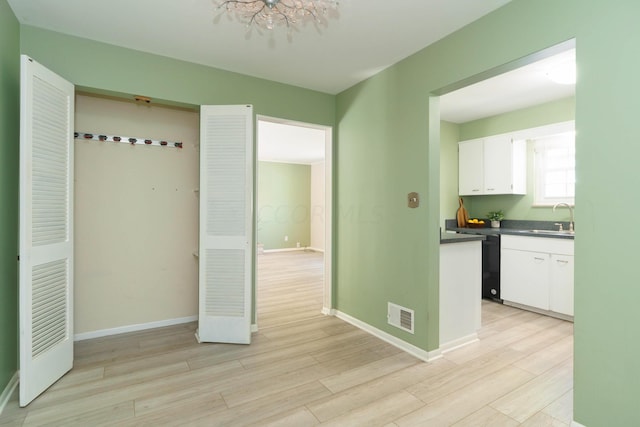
{"type": "Point", "coordinates": [525, 278]}
{"type": "Point", "coordinates": [537, 272]}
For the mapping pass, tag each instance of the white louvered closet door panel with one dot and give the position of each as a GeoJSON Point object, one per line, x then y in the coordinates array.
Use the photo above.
{"type": "Point", "coordinates": [226, 232]}
{"type": "Point", "coordinates": [46, 228]}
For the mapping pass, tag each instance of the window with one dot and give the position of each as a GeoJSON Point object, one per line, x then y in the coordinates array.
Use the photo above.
{"type": "Point", "coordinates": [555, 169]}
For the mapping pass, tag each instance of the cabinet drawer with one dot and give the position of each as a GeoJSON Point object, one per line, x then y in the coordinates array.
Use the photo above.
{"type": "Point", "coordinates": [537, 244]}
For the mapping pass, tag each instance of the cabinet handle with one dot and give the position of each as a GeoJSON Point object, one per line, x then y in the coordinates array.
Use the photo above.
{"type": "Point", "coordinates": [562, 261]}
{"type": "Point", "coordinates": [537, 258]}
{"type": "Point", "coordinates": [491, 189]}
{"type": "Point", "coordinates": [476, 189]}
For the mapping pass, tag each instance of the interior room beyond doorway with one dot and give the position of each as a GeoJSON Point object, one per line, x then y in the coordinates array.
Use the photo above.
{"type": "Point", "coordinates": [293, 176]}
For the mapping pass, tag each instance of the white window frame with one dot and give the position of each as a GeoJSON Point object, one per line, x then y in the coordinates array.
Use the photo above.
{"type": "Point", "coordinates": [541, 145]}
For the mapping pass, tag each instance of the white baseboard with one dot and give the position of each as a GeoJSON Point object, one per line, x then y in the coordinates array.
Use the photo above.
{"type": "Point", "coordinates": [133, 328]}
{"type": "Point", "coordinates": [270, 251]}
{"type": "Point", "coordinates": [308, 248]}
{"type": "Point", "coordinates": [539, 311]}
{"type": "Point", "coordinates": [8, 391]}
{"type": "Point", "coordinates": [254, 328]}
{"type": "Point", "coordinates": [427, 356]}
{"type": "Point", "coordinates": [328, 311]}
{"type": "Point", "coordinates": [460, 342]}
{"type": "Point", "coordinates": [576, 424]}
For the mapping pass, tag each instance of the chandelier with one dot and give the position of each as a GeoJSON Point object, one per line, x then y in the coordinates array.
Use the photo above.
{"type": "Point", "coordinates": [270, 13]}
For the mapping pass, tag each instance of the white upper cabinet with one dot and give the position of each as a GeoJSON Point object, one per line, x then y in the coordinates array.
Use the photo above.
{"type": "Point", "coordinates": [492, 165]}
{"type": "Point", "coordinates": [470, 167]}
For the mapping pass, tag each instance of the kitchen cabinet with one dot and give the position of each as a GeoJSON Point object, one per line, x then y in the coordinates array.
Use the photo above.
{"type": "Point", "coordinates": [492, 165]}
{"type": "Point", "coordinates": [561, 285]}
{"type": "Point", "coordinates": [537, 272]}
{"type": "Point", "coordinates": [525, 278]}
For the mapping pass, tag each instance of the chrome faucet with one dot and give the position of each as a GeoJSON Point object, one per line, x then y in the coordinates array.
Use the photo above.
{"type": "Point", "coordinates": [571, 230]}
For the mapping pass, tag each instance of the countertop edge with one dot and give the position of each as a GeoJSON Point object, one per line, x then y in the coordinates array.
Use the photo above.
{"type": "Point", "coordinates": [508, 231]}
{"type": "Point", "coordinates": [446, 238]}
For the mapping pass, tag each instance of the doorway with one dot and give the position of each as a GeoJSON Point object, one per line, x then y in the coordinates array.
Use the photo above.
{"type": "Point", "coordinates": [293, 198]}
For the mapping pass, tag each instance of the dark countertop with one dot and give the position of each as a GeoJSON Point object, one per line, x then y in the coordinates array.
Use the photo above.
{"type": "Point", "coordinates": [517, 228]}
{"type": "Point", "coordinates": [457, 238]}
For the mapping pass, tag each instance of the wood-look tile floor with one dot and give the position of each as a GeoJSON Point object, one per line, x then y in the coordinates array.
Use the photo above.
{"type": "Point", "coordinates": [306, 369]}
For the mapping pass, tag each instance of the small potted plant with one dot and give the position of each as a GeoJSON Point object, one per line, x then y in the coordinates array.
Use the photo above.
{"type": "Point", "coordinates": [495, 217]}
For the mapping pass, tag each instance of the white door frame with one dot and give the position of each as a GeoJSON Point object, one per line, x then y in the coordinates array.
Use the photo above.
{"type": "Point", "coordinates": [327, 299]}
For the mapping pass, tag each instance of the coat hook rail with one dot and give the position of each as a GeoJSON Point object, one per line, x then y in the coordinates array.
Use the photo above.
{"type": "Point", "coordinates": [125, 139]}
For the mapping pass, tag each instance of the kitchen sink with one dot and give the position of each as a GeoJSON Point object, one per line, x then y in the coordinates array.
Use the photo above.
{"type": "Point", "coordinates": [555, 232]}
{"type": "Point", "coordinates": [547, 232]}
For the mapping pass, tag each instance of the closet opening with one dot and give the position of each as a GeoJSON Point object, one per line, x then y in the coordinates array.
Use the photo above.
{"type": "Point", "coordinates": [135, 215]}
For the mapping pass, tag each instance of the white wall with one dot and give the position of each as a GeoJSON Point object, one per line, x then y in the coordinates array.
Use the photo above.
{"type": "Point", "coordinates": [136, 216]}
{"type": "Point", "coordinates": [318, 214]}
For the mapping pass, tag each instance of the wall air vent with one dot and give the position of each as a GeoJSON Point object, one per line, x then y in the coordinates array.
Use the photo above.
{"type": "Point", "coordinates": [400, 317]}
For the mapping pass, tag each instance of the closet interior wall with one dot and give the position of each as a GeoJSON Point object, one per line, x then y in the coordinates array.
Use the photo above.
{"type": "Point", "coordinates": [136, 216]}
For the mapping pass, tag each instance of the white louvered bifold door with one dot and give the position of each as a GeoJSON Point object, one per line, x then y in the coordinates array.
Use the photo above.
{"type": "Point", "coordinates": [46, 228]}
{"type": "Point", "coordinates": [226, 232]}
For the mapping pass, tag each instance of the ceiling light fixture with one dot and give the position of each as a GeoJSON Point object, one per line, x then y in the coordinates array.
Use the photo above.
{"type": "Point", "coordinates": [270, 13]}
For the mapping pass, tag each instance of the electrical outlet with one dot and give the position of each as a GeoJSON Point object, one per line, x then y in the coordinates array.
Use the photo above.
{"type": "Point", "coordinates": [297, 244]}
{"type": "Point", "coordinates": [286, 238]}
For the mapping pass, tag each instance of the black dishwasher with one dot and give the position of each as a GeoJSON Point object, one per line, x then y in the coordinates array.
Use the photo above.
{"type": "Point", "coordinates": [491, 268]}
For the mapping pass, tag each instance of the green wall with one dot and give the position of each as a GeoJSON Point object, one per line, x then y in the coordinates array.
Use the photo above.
{"type": "Point", "coordinates": [561, 110]}
{"type": "Point", "coordinates": [518, 206]}
{"type": "Point", "coordinates": [388, 138]}
{"type": "Point", "coordinates": [284, 205]}
{"type": "Point", "coordinates": [449, 137]}
{"type": "Point", "coordinates": [9, 139]}
{"type": "Point", "coordinates": [98, 67]}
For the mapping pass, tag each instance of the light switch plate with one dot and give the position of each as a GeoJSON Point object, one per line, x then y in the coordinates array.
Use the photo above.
{"type": "Point", "coordinates": [413, 200]}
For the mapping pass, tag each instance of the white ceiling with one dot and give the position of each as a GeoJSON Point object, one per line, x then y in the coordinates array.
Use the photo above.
{"type": "Point", "coordinates": [523, 87]}
{"type": "Point", "coordinates": [286, 143]}
{"type": "Point", "coordinates": [367, 37]}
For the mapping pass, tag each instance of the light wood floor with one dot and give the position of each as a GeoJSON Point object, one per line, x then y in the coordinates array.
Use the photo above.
{"type": "Point", "coordinates": [305, 369]}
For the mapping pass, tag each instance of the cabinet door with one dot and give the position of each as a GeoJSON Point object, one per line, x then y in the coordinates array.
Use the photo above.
{"type": "Point", "coordinates": [524, 278]}
{"type": "Point", "coordinates": [561, 287]}
{"type": "Point", "coordinates": [470, 169]}
{"type": "Point", "coordinates": [498, 164]}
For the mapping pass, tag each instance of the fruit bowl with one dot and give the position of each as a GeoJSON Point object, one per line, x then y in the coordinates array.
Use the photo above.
{"type": "Point", "coordinates": [475, 224]}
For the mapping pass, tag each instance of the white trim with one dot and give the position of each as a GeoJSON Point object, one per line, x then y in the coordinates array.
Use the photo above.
{"type": "Point", "coordinates": [8, 391]}
{"type": "Point", "coordinates": [328, 200]}
{"type": "Point", "coordinates": [254, 327]}
{"type": "Point", "coordinates": [576, 424]}
{"type": "Point", "coordinates": [271, 251]}
{"type": "Point", "coordinates": [459, 342]}
{"type": "Point", "coordinates": [328, 217]}
{"type": "Point", "coordinates": [427, 356]}
{"type": "Point", "coordinates": [328, 311]}
{"type": "Point", "coordinates": [309, 248]}
{"type": "Point", "coordinates": [539, 310]}
{"type": "Point", "coordinates": [133, 328]}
